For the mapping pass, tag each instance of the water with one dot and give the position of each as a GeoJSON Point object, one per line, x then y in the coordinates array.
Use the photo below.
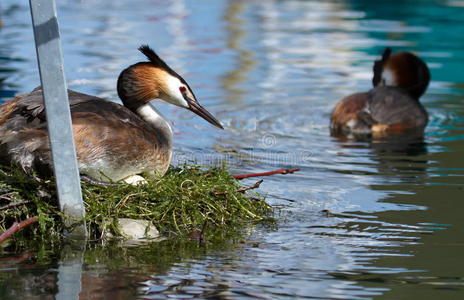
{"type": "Point", "coordinates": [271, 71]}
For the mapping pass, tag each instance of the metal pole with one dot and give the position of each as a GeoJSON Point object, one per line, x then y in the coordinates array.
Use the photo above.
{"type": "Point", "coordinates": [50, 59]}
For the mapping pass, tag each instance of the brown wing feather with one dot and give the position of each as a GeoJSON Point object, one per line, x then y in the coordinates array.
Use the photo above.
{"type": "Point", "coordinates": [102, 130]}
{"type": "Point", "coordinates": [349, 109]}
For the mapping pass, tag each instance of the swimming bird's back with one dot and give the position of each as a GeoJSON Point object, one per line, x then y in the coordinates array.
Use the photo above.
{"type": "Point", "coordinates": [382, 110]}
{"type": "Point", "coordinates": [390, 106]}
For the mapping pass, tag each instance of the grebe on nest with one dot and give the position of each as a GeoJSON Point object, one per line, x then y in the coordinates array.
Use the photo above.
{"type": "Point", "coordinates": [392, 106]}
{"type": "Point", "coordinates": [113, 142]}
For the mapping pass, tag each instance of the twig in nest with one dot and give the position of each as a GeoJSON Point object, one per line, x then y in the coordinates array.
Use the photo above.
{"type": "Point", "coordinates": [8, 196]}
{"type": "Point", "coordinates": [14, 204]}
{"type": "Point", "coordinates": [279, 171]}
{"type": "Point", "coordinates": [124, 200]}
{"type": "Point", "coordinates": [254, 186]}
{"type": "Point", "coordinates": [17, 227]}
{"type": "Point", "coordinates": [244, 189]}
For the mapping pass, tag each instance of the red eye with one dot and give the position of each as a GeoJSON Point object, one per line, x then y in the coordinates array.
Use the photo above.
{"type": "Point", "coordinates": [182, 89]}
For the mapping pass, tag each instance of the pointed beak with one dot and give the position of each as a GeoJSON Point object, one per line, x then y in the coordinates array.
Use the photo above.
{"type": "Point", "coordinates": [202, 112]}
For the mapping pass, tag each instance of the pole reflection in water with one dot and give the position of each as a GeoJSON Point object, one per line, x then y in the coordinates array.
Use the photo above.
{"type": "Point", "coordinates": [69, 277]}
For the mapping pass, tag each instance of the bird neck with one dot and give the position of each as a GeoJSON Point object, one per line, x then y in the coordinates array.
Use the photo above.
{"type": "Point", "coordinates": [153, 117]}
{"type": "Point", "coordinates": [136, 87]}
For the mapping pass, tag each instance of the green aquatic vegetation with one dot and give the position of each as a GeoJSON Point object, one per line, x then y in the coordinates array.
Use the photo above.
{"type": "Point", "coordinates": [186, 199]}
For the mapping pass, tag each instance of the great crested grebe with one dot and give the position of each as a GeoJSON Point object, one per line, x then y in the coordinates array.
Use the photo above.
{"type": "Point", "coordinates": [113, 142]}
{"type": "Point", "coordinates": [392, 106]}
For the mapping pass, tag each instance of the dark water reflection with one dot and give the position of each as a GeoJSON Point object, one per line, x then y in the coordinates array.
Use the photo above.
{"type": "Point", "coordinates": [362, 219]}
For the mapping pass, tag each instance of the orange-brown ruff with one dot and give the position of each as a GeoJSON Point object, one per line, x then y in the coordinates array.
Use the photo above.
{"type": "Point", "coordinates": [392, 106]}
{"type": "Point", "coordinates": [113, 142]}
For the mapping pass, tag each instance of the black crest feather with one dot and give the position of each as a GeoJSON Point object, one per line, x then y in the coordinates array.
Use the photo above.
{"type": "Point", "coordinates": [158, 62]}
{"type": "Point", "coordinates": [378, 66]}
{"type": "Point", "coordinates": [153, 57]}
{"type": "Point", "coordinates": [386, 54]}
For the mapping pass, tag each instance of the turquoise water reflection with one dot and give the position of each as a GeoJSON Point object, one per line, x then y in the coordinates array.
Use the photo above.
{"type": "Point", "coordinates": [272, 71]}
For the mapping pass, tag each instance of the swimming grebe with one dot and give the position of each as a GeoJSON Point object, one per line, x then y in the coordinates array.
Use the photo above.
{"type": "Point", "coordinates": [113, 142]}
{"type": "Point", "coordinates": [392, 106]}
